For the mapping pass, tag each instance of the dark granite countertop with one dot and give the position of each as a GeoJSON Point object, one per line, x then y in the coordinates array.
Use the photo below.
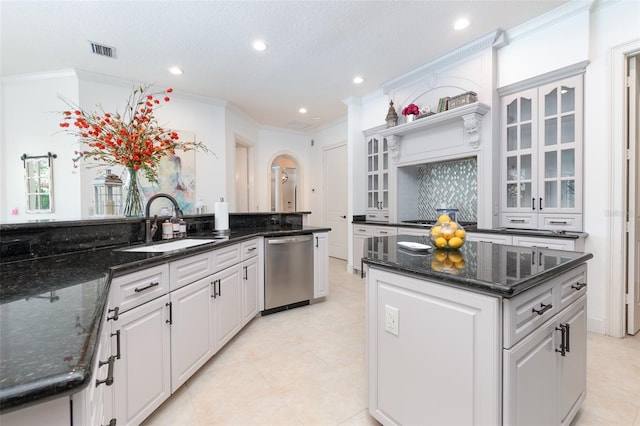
{"type": "Point", "coordinates": [495, 269]}
{"type": "Point", "coordinates": [51, 311]}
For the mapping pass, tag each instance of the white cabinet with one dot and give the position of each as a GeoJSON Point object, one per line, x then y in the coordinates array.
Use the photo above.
{"type": "Point", "coordinates": [190, 330]}
{"type": "Point", "coordinates": [51, 413]}
{"type": "Point", "coordinates": [321, 265]}
{"type": "Point", "coordinates": [226, 301]}
{"type": "Point", "coordinates": [377, 178]}
{"type": "Point", "coordinates": [142, 379]}
{"type": "Point", "coordinates": [552, 243]}
{"type": "Point", "coordinates": [361, 233]}
{"type": "Point", "coordinates": [541, 173]}
{"type": "Point", "coordinates": [250, 290]}
{"type": "Point", "coordinates": [558, 349]}
{"type": "Point", "coordinates": [484, 237]}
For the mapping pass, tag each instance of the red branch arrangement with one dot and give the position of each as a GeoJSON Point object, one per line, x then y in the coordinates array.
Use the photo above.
{"type": "Point", "coordinates": [133, 139]}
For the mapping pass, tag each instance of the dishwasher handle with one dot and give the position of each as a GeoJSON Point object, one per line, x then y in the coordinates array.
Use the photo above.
{"type": "Point", "coordinates": [287, 240]}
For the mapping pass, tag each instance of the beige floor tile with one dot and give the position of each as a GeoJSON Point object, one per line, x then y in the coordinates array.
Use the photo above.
{"type": "Point", "coordinates": [306, 366]}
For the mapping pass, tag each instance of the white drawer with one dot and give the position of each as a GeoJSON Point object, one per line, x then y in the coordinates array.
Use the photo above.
{"type": "Point", "coordinates": [384, 231]}
{"type": "Point", "coordinates": [249, 249]}
{"type": "Point", "coordinates": [482, 237]}
{"type": "Point", "coordinates": [551, 243]}
{"type": "Point", "coordinates": [190, 269]}
{"type": "Point", "coordinates": [226, 256]}
{"type": "Point", "coordinates": [131, 290]}
{"type": "Point", "coordinates": [519, 220]}
{"type": "Point", "coordinates": [526, 312]}
{"type": "Point", "coordinates": [572, 285]}
{"type": "Point", "coordinates": [556, 222]}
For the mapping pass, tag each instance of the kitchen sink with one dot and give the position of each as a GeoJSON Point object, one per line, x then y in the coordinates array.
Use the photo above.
{"type": "Point", "coordinates": [163, 247]}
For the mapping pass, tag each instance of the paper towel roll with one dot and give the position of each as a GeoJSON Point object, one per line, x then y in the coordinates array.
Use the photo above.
{"type": "Point", "coordinates": [221, 215]}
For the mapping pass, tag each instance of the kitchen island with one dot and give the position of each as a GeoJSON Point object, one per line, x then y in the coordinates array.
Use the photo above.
{"type": "Point", "coordinates": [53, 309]}
{"type": "Point", "coordinates": [488, 334]}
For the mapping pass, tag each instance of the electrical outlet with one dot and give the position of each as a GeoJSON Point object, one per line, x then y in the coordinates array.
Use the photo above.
{"type": "Point", "coordinates": [391, 319]}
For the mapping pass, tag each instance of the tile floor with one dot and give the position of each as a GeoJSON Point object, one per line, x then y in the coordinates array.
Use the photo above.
{"type": "Point", "coordinates": [307, 367]}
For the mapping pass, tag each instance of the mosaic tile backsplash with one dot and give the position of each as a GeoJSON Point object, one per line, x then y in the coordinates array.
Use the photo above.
{"type": "Point", "coordinates": [452, 183]}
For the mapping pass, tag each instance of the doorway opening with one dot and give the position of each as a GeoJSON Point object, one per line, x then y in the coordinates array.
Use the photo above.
{"type": "Point", "coordinates": [242, 177]}
{"type": "Point", "coordinates": [284, 184]}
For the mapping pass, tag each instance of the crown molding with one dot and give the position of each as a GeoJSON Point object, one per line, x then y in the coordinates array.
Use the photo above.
{"type": "Point", "coordinates": [552, 17]}
{"type": "Point", "coordinates": [38, 76]}
{"type": "Point", "coordinates": [568, 71]}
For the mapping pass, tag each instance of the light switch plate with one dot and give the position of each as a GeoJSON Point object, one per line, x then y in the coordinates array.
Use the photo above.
{"type": "Point", "coordinates": [391, 317]}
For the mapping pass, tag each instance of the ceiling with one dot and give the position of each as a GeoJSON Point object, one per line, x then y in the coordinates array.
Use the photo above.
{"type": "Point", "coordinates": [315, 48]}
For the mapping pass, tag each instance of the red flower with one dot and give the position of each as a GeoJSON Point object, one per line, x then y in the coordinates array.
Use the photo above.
{"type": "Point", "coordinates": [167, 99]}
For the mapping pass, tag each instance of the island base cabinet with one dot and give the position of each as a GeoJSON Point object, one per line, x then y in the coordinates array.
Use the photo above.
{"type": "Point", "coordinates": [226, 303]}
{"type": "Point", "coordinates": [142, 374]}
{"type": "Point", "coordinates": [552, 398]}
{"type": "Point", "coordinates": [434, 353]}
{"type": "Point", "coordinates": [250, 291]}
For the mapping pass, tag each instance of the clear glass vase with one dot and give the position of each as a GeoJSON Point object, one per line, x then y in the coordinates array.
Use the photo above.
{"type": "Point", "coordinates": [133, 198]}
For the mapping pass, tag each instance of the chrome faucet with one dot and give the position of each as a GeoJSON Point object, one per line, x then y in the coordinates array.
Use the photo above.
{"type": "Point", "coordinates": [150, 229]}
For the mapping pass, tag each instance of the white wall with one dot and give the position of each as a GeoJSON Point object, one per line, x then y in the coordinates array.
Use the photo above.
{"type": "Point", "coordinates": [30, 125]}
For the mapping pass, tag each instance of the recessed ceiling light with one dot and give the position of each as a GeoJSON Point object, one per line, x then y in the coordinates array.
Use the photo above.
{"type": "Point", "coordinates": [316, 118]}
{"type": "Point", "coordinates": [176, 70]}
{"type": "Point", "coordinates": [461, 24]}
{"type": "Point", "coordinates": [259, 45]}
{"type": "Point", "coordinates": [358, 79]}
{"type": "Point", "coordinates": [302, 110]}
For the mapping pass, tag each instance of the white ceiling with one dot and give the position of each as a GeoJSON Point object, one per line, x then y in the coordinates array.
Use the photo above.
{"type": "Point", "coordinates": [315, 47]}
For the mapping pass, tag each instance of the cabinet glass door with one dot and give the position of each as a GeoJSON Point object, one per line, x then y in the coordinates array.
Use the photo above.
{"type": "Point", "coordinates": [520, 159]}
{"type": "Point", "coordinates": [561, 128]}
{"type": "Point", "coordinates": [373, 184]}
{"type": "Point", "coordinates": [384, 172]}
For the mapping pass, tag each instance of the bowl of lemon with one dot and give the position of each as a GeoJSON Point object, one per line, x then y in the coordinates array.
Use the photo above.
{"type": "Point", "coordinates": [447, 234]}
{"type": "Point", "coordinates": [449, 261]}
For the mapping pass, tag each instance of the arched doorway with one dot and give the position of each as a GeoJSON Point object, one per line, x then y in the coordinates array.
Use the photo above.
{"type": "Point", "coordinates": [284, 184]}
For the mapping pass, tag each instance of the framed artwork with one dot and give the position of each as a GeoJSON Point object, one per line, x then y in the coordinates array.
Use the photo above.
{"type": "Point", "coordinates": [176, 177]}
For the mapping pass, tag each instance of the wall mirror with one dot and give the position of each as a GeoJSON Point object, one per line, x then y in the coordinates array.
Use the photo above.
{"type": "Point", "coordinates": [38, 178]}
{"type": "Point", "coordinates": [284, 184]}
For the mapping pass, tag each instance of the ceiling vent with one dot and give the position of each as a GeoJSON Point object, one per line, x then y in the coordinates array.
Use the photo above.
{"type": "Point", "coordinates": [102, 50]}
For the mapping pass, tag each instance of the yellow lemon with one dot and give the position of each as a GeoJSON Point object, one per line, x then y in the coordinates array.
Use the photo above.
{"type": "Point", "coordinates": [460, 233]}
{"type": "Point", "coordinates": [436, 231]}
{"type": "Point", "coordinates": [459, 265]}
{"type": "Point", "coordinates": [441, 242]}
{"type": "Point", "coordinates": [453, 225]}
{"type": "Point", "coordinates": [440, 255]}
{"type": "Point", "coordinates": [444, 218]}
{"type": "Point", "coordinates": [447, 232]}
{"type": "Point", "coordinates": [455, 242]}
{"type": "Point", "coordinates": [447, 263]}
{"type": "Point", "coordinates": [455, 256]}
{"type": "Point", "coordinates": [436, 266]}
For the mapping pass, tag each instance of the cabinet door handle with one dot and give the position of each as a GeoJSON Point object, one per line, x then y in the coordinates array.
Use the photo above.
{"type": "Point", "coordinates": [246, 274]}
{"type": "Point", "coordinates": [568, 342]}
{"type": "Point", "coordinates": [578, 286]}
{"type": "Point", "coordinates": [220, 288]}
{"type": "Point", "coordinates": [316, 242]}
{"type": "Point", "coordinates": [540, 203]}
{"type": "Point", "coordinates": [543, 308]}
{"type": "Point", "coordinates": [109, 380]}
{"type": "Point", "coordinates": [533, 204]}
{"type": "Point", "coordinates": [213, 283]}
{"type": "Point", "coordinates": [170, 320]}
{"type": "Point", "coordinates": [151, 285]}
{"type": "Point", "coordinates": [117, 334]}
{"type": "Point", "coordinates": [563, 347]}
{"type": "Point", "coordinates": [115, 314]}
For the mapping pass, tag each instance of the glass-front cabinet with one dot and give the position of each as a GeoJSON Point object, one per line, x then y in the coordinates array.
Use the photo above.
{"type": "Point", "coordinates": [542, 157]}
{"type": "Point", "coordinates": [377, 179]}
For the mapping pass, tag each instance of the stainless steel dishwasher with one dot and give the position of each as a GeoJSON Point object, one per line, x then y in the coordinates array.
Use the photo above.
{"type": "Point", "coordinates": [288, 272]}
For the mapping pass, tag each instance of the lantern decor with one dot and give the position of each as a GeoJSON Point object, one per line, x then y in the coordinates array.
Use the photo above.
{"type": "Point", "coordinates": [392, 116]}
{"type": "Point", "coordinates": [107, 190]}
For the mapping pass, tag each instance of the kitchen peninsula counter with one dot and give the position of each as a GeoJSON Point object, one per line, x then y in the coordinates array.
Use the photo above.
{"type": "Point", "coordinates": [488, 334]}
{"type": "Point", "coordinates": [51, 308]}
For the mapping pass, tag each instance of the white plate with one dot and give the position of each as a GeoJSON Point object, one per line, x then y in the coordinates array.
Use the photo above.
{"type": "Point", "coordinates": [413, 246]}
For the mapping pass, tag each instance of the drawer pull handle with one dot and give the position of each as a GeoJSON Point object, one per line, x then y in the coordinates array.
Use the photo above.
{"type": "Point", "coordinates": [251, 248]}
{"type": "Point", "coordinates": [558, 222]}
{"type": "Point", "coordinates": [151, 285]}
{"type": "Point", "coordinates": [579, 286]}
{"type": "Point", "coordinates": [109, 380]}
{"type": "Point", "coordinates": [516, 220]}
{"type": "Point", "coordinates": [170, 320]}
{"type": "Point", "coordinates": [117, 334]}
{"type": "Point", "coordinates": [115, 313]}
{"type": "Point", "coordinates": [384, 232]}
{"type": "Point", "coordinates": [564, 346]}
{"type": "Point", "coordinates": [543, 308]}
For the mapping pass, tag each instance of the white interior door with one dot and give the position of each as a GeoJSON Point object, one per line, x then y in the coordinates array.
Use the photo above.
{"type": "Point", "coordinates": [633, 198]}
{"type": "Point", "coordinates": [335, 198]}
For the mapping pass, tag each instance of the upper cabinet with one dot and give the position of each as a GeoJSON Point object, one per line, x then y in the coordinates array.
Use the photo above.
{"type": "Point", "coordinates": [541, 170]}
{"type": "Point", "coordinates": [377, 178]}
